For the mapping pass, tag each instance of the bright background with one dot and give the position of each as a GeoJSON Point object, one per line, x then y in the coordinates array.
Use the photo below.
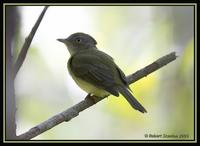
{"type": "Point", "coordinates": [134, 36]}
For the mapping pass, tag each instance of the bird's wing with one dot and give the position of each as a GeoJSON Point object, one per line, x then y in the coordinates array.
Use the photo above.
{"type": "Point", "coordinates": [98, 70]}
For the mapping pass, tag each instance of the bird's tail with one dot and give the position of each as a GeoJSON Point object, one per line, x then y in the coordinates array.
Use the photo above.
{"type": "Point", "coordinates": [131, 99]}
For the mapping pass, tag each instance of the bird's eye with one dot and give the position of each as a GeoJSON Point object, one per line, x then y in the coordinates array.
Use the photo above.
{"type": "Point", "coordinates": [78, 40]}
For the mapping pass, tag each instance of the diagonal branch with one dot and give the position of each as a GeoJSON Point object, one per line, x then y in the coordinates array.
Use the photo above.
{"type": "Point", "coordinates": [74, 111]}
{"type": "Point", "coordinates": [27, 43]}
{"type": "Point", "coordinates": [151, 67]}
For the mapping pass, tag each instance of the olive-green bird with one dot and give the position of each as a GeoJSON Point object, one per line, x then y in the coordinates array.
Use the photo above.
{"type": "Point", "coordinates": [96, 72]}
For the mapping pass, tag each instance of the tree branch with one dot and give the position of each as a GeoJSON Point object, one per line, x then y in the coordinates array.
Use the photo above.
{"type": "Point", "coordinates": [27, 43]}
{"type": "Point", "coordinates": [74, 111]}
{"type": "Point", "coordinates": [151, 67]}
{"type": "Point", "coordinates": [10, 103]}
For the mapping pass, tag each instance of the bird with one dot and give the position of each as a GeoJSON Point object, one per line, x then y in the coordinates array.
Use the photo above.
{"type": "Point", "coordinates": [95, 71]}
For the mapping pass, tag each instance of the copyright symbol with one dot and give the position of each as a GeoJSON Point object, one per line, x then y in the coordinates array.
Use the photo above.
{"type": "Point", "coordinates": [146, 135]}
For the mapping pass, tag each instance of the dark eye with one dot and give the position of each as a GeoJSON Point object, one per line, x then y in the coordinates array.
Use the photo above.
{"type": "Point", "coordinates": [78, 40]}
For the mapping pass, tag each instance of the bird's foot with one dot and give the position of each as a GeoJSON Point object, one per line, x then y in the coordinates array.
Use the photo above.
{"type": "Point", "coordinates": [93, 98]}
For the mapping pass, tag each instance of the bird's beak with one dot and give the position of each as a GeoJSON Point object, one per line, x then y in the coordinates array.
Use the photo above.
{"type": "Point", "coordinates": [61, 40]}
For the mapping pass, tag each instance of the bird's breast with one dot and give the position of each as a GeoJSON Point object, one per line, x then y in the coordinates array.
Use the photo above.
{"type": "Point", "coordinates": [86, 86]}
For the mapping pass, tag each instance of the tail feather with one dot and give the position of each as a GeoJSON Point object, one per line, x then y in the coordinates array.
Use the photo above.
{"type": "Point", "coordinates": [131, 99]}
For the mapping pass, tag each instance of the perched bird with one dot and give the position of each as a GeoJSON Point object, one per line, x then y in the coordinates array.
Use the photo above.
{"type": "Point", "coordinates": [96, 72]}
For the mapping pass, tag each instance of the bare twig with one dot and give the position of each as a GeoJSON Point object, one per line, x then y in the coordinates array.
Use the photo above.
{"type": "Point", "coordinates": [151, 67]}
{"type": "Point", "coordinates": [72, 112]}
{"type": "Point", "coordinates": [27, 43]}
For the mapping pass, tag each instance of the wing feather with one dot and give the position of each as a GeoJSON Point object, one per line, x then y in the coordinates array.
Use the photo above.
{"type": "Point", "coordinates": [94, 69]}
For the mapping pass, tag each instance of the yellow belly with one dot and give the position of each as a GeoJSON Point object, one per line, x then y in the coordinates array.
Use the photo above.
{"type": "Point", "coordinates": [89, 88]}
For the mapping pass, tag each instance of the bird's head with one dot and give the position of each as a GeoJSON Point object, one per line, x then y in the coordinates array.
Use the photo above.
{"type": "Point", "coordinates": [78, 42]}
